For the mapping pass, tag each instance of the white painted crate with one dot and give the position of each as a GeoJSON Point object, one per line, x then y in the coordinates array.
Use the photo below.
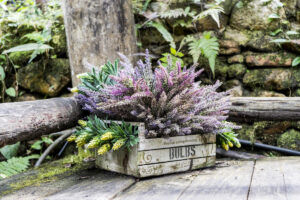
{"type": "Point", "coordinates": [158, 156]}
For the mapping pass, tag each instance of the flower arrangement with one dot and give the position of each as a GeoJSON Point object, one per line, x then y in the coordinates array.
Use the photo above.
{"type": "Point", "coordinates": [168, 100]}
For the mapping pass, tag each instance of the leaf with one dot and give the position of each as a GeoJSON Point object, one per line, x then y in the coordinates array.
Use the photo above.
{"type": "Point", "coordinates": [296, 61]}
{"type": "Point", "coordinates": [47, 140]}
{"type": "Point", "coordinates": [273, 16]}
{"type": "Point", "coordinates": [207, 46]}
{"type": "Point", "coordinates": [173, 51]}
{"type": "Point", "coordinates": [213, 11]}
{"type": "Point", "coordinates": [28, 47]}
{"type": "Point", "coordinates": [14, 166]}
{"type": "Point", "coordinates": [10, 151]}
{"type": "Point", "coordinates": [274, 33]}
{"type": "Point", "coordinates": [292, 33]}
{"type": "Point", "coordinates": [2, 74]}
{"type": "Point", "coordinates": [37, 145]}
{"type": "Point", "coordinates": [164, 32]}
{"type": "Point", "coordinates": [281, 40]}
{"type": "Point", "coordinates": [11, 92]}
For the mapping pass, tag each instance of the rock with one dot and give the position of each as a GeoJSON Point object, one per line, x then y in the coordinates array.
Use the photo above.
{"type": "Point", "coordinates": [270, 59]}
{"type": "Point", "coordinates": [235, 87]}
{"type": "Point", "coordinates": [236, 59]}
{"type": "Point", "coordinates": [272, 79]}
{"type": "Point", "coordinates": [265, 93]}
{"type": "Point", "coordinates": [48, 80]}
{"type": "Point", "coordinates": [296, 93]}
{"type": "Point", "coordinates": [20, 58]}
{"type": "Point", "coordinates": [264, 131]}
{"type": "Point", "coordinates": [226, 44]}
{"type": "Point", "coordinates": [290, 140]}
{"type": "Point", "coordinates": [229, 51]}
{"type": "Point", "coordinates": [236, 71]}
{"type": "Point", "coordinates": [292, 46]}
{"type": "Point", "coordinates": [254, 15]}
{"type": "Point", "coordinates": [289, 7]}
{"type": "Point", "coordinates": [207, 23]}
{"type": "Point", "coordinates": [241, 37]}
{"type": "Point", "coordinates": [29, 97]}
{"type": "Point", "coordinates": [263, 43]}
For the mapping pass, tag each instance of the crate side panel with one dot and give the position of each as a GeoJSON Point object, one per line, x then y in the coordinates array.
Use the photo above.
{"type": "Point", "coordinates": [158, 143]}
{"type": "Point", "coordinates": [122, 161]}
{"type": "Point", "coordinates": [199, 163]}
{"type": "Point", "coordinates": [175, 153]}
{"type": "Point", "coordinates": [164, 168]}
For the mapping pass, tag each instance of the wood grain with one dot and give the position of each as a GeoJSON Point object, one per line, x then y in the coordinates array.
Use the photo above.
{"type": "Point", "coordinates": [264, 108]}
{"type": "Point", "coordinates": [276, 179]}
{"type": "Point", "coordinates": [96, 31]}
{"type": "Point", "coordinates": [27, 120]}
{"type": "Point", "coordinates": [226, 183]}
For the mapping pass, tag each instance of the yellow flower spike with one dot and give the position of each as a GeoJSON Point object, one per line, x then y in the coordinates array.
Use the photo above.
{"type": "Point", "coordinates": [107, 136]}
{"type": "Point", "coordinates": [82, 123]}
{"type": "Point", "coordinates": [225, 146]}
{"type": "Point", "coordinates": [83, 75]}
{"type": "Point", "coordinates": [238, 144]}
{"type": "Point", "coordinates": [230, 144]}
{"type": "Point", "coordinates": [118, 144]}
{"type": "Point", "coordinates": [94, 143]}
{"type": "Point", "coordinates": [74, 90]}
{"type": "Point", "coordinates": [81, 139]}
{"type": "Point", "coordinates": [71, 138]}
{"type": "Point", "coordinates": [103, 149]}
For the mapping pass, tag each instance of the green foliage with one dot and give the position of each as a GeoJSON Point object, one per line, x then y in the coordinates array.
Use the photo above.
{"type": "Point", "coordinates": [164, 32]}
{"type": "Point", "coordinates": [174, 57]}
{"type": "Point", "coordinates": [105, 135]}
{"type": "Point", "coordinates": [96, 80]}
{"type": "Point", "coordinates": [14, 166]}
{"type": "Point", "coordinates": [207, 46]}
{"type": "Point", "coordinates": [296, 61]}
{"type": "Point", "coordinates": [38, 145]}
{"type": "Point", "coordinates": [228, 139]}
{"type": "Point", "coordinates": [27, 28]}
{"type": "Point", "coordinates": [10, 151]}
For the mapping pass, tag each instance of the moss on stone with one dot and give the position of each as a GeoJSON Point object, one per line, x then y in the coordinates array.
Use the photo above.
{"type": "Point", "coordinates": [290, 139]}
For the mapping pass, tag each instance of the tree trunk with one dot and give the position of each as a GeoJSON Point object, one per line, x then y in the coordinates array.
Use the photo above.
{"type": "Point", "coordinates": [27, 120]}
{"type": "Point", "coordinates": [247, 109]}
{"type": "Point", "coordinates": [96, 31]}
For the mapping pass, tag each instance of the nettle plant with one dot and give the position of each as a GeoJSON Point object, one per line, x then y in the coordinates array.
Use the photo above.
{"type": "Point", "coordinates": [169, 101]}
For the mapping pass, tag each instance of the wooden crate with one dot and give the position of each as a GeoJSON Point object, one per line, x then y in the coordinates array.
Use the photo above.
{"type": "Point", "coordinates": [158, 156]}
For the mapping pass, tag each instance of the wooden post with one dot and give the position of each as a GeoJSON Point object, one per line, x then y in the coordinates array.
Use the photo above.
{"type": "Point", "coordinates": [96, 31]}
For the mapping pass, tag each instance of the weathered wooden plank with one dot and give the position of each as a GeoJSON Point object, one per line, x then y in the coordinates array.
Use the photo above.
{"type": "Point", "coordinates": [276, 179]}
{"type": "Point", "coordinates": [158, 143]}
{"type": "Point", "coordinates": [161, 188]}
{"type": "Point", "coordinates": [229, 182]}
{"type": "Point", "coordinates": [103, 186]}
{"type": "Point", "coordinates": [176, 153]}
{"type": "Point", "coordinates": [96, 31]}
{"type": "Point", "coordinates": [27, 120]}
{"type": "Point", "coordinates": [265, 108]}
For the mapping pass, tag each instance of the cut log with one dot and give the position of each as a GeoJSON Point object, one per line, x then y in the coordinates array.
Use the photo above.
{"type": "Point", "coordinates": [247, 109]}
{"type": "Point", "coordinates": [96, 31]}
{"type": "Point", "coordinates": [27, 120]}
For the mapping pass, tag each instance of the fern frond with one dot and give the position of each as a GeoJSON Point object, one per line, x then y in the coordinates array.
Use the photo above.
{"type": "Point", "coordinates": [164, 32]}
{"type": "Point", "coordinates": [213, 11]}
{"type": "Point", "coordinates": [175, 13]}
{"type": "Point", "coordinates": [14, 166]}
{"type": "Point", "coordinates": [207, 46]}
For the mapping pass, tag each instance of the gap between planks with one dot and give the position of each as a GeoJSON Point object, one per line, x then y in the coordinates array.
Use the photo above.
{"type": "Point", "coordinates": [251, 179]}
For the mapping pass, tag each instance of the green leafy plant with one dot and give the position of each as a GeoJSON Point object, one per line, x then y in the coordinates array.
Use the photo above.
{"type": "Point", "coordinates": [104, 135]}
{"type": "Point", "coordinates": [228, 139]}
{"type": "Point", "coordinates": [296, 61]}
{"type": "Point", "coordinates": [174, 57]}
{"type": "Point", "coordinates": [15, 166]}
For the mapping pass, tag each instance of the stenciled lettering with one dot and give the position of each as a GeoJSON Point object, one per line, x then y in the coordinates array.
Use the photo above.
{"type": "Point", "coordinates": [181, 152]}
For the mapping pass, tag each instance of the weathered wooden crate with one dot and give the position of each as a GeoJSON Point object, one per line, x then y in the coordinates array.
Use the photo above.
{"type": "Point", "coordinates": [158, 156]}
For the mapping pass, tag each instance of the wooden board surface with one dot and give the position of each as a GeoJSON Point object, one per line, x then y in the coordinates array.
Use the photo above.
{"type": "Point", "coordinates": [276, 179]}
{"type": "Point", "coordinates": [272, 178]}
